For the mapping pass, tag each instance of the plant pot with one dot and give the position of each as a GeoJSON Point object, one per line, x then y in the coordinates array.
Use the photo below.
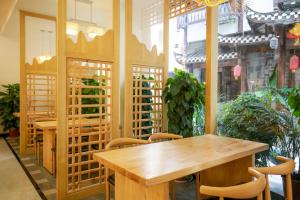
{"type": "Point", "coordinates": [14, 132]}
{"type": "Point", "coordinates": [295, 186]}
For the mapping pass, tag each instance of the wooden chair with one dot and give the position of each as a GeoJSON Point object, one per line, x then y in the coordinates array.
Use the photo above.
{"type": "Point", "coordinates": [163, 136]}
{"type": "Point", "coordinates": [243, 191]}
{"type": "Point", "coordinates": [38, 136]}
{"type": "Point", "coordinates": [116, 144]}
{"type": "Point", "coordinates": [286, 168]}
{"type": "Point", "coordinates": [168, 136]}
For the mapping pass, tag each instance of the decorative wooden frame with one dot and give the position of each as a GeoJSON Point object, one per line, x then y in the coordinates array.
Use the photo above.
{"type": "Point", "coordinates": [144, 64]}
{"type": "Point", "coordinates": [31, 78]}
{"type": "Point", "coordinates": [80, 133]}
{"type": "Point", "coordinates": [179, 7]}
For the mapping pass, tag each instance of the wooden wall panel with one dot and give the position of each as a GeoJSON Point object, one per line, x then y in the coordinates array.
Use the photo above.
{"type": "Point", "coordinates": [145, 74]}
{"type": "Point", "coordinates": [88, 105]}
{"type": "Point", "coordinates": [37, 88]}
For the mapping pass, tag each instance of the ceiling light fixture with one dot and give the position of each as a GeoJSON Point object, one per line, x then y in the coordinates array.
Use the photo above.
{"type": "Point", "coordinates": [91, 28]}
{"type": "Point", "coordinates": [44, 56]}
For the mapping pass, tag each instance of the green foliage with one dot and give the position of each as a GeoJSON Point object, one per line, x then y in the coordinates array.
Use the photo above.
{"type": "Point", "coordinates": [146, 109]}
{"type": "Point", "coordinates": [182, 93]}
{"type": "Point", "coordinates": [10, 103]}
{"type": "Point", "coordinates": [294, 102]}
{"type": "Point", "coordinates": [252, 118]}
{"type": "Point", "coordinates": [199, 120]}
{"type": "Point", "coordinates": [92, 100]}
{"type": "Point", "coordinates": [273, 78]}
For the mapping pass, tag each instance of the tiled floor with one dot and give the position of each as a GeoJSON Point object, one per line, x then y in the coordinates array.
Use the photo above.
{"type": "Point", "coordinates": [14, 183]}
{"type": "Point", "coordinates": [45, 182]}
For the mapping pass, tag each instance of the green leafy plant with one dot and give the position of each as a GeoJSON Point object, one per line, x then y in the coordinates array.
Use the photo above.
{"type": "Point", "coordinates": [294, 102]}
{"type": "Point", "coordinates": [9, 104]}
{"type": "Point", "coordinates": [146, 99]}
{"type": "Point", "coordinates": [92, 100]}
{"type": "Point", "coordinates": [252, 118]}
{"type": "Point", "coordinates": [290, 145]}
{"type": "Point", "coordinates": [182, 93]}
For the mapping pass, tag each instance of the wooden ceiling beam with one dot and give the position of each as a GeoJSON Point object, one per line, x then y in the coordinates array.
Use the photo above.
{"type": "Point", "coordinates": [6, 9]}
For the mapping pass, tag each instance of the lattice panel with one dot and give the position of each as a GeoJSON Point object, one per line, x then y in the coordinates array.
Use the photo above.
{"type": "Point", "coordinates": [41, 98]}
{"type": "Point", "coordinates": [153, 14]}
{"type": "Point", "coordinates": [147, 103]}
{"type": "Point", "coordinates": [90, 120]}
{"type": "Point", "coordinates": [179, 7]}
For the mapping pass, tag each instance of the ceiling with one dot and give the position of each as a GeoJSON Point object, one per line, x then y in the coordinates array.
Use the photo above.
{"type": "Point", "coordinates": [6, 9]}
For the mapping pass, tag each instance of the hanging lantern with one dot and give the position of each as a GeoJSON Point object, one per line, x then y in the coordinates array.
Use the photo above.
{"type": "Point", "coordinates": [294, 63]}
{"type": "Point", "coordinates": [237, 71]}
{"type": "Point", "coordinates": [274, 43]}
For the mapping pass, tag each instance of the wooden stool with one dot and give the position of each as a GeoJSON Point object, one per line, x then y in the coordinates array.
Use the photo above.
{"type": "Point", "coordinates": [243, 191]}
{"type": "Point", "coordinates": [285, 169]}
{"type": "Point", "coordinates": [169, 136]}
{"type": "Point", "coordinates": [116, 144]}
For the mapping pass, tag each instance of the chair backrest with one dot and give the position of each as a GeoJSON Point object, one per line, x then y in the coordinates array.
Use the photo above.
{"type": "Point", "coordinates": [243, 191]}
{"type": "Point", "coordinates": [163, 136]}
{"type": "Point", "coordinates": [286, 168]}
{"type": "Point", "coordinates": [44, 119]}
{"type": "Point", "coordinates": [122, 142]}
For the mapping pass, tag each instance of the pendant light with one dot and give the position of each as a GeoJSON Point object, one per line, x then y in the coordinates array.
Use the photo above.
{"type": "Point", "coordinates": [44, 55]}
{"type": "Point", "coordinates": [94, 30]}
{"type": "Point", "coordinates": [72, 26]}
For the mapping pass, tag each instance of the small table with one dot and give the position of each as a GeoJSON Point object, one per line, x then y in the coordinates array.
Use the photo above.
{"type": "Point", "coordinates": [49, 139]}
{"type": "Point", "coordinates": [143, 172]}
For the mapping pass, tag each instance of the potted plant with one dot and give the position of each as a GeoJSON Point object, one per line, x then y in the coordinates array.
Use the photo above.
{"type": "Point", "coordinates": [182, 93]}
{"type": "Point", "coordinates": [9, 104]}
{"type": "Point", "coordinates": [290, 145]}
{"type": "Point", "coordinates": [252, 117]}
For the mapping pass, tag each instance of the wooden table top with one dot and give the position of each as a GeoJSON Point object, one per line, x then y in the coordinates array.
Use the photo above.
{"type": "Point", "coordinates": [165, 161]}
{"type": "Point", "coordinates": [53, 124]}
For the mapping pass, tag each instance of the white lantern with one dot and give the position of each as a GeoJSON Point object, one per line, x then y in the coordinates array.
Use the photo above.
{"type": "Point", "coordinates": [274, 43]}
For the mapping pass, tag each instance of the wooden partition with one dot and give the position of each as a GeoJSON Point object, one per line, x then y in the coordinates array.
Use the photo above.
{"type": "Point", "coordinates": [146, 68]}
{"type": "Point", "coordinates": [37, 87]}
{"type": "Point", "coordinates": [88, 105]}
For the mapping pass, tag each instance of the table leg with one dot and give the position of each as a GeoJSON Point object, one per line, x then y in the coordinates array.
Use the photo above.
{"type": "Point", "coordinates": [228, 174]}
{"type": "Point", "coordinates": [126, 188]}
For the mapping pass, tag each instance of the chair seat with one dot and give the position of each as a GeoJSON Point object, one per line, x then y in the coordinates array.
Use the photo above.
{"type": "Point", "coordinates": [111, 179]}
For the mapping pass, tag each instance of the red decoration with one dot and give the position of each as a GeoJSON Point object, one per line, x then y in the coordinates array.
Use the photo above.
{"type": "Point", "coordinates": [294, 63]}
{"type": "Point", "coordinates": [291, 36]}
{"type": "Point", "coordinates": [237, 71]}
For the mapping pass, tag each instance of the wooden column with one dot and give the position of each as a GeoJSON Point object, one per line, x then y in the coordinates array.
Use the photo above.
{"type": "Point", "coordinates": [116, 122]}
{"type": "Point", "coordinates": [211, 97]}
{"type": "Point", "coordinates": [281, 59]}
{"type": "Point", "coordinates": [23, 121]}
{"type": "Point", "coordinates": [166, 56]}
{"type": "Point", "coordinates": [62, 136]}
{"type": "Point", "coordinates": [243, 64]}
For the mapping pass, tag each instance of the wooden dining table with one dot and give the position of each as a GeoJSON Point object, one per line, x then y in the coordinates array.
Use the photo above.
{"type": "Point", "coordinates": [144, 172]}
{"type": "Point", "coordinates": [49, 139]}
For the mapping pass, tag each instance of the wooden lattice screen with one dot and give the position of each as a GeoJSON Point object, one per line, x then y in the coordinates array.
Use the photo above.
{"type": "Point", "coordinates": [40, 94]}
{"type": "Point", "coordinates": [89, 111]}
{"type": "Point", "coordinates": [146, 67]}
{"type": "Point", "coordinates": [179, 7]}
{"type": "Point", "coordinates": [147, 105]}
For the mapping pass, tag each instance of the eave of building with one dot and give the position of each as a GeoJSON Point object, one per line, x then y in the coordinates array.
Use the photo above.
{"type": "Point", "coordinates": [244, 40]}
{"type": "Point", "coordinates": [273, 18]}
{"type": "Point", "coordinates": [202, 59]}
